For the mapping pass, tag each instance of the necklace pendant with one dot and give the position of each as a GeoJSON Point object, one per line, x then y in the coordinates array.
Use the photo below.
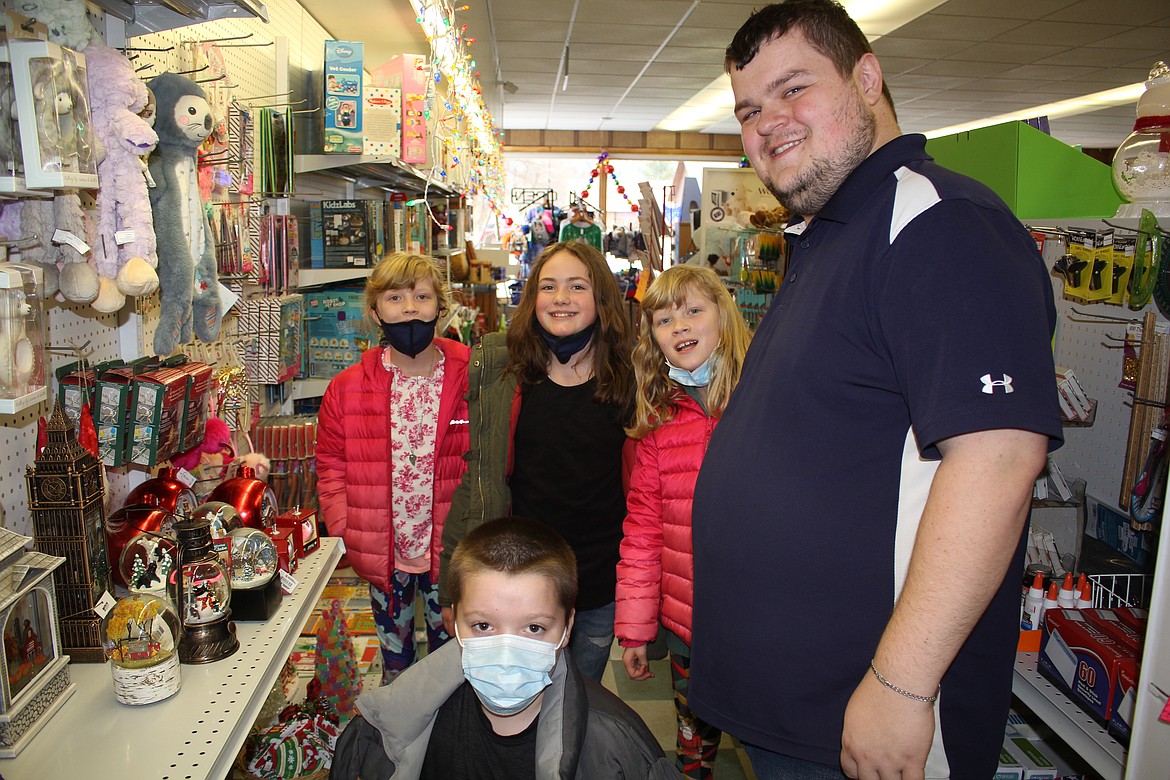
{"type": "Point", "coordinates": [412, 458]}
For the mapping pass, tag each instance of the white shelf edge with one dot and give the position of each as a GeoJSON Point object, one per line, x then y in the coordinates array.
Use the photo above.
{"type": "Point", "coordinates": [1077, 728]}
{"type": "Point", "coordinates": [309, 388]}
{"type": "Point", "coordinates": [14, 405]}
{"type": "Point", "coordinates": [309, 163]}
{"type": "Point", "coordinates": [311, 277]}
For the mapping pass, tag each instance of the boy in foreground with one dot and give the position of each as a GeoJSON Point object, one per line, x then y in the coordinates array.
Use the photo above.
{"type": "Point", "coordinates": [505, 700]}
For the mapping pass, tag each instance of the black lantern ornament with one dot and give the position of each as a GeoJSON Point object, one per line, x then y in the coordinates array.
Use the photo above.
{"type": "Point", "coordinates": [65, 496]}
{"type": "Point", "coordinates": [204, 596]}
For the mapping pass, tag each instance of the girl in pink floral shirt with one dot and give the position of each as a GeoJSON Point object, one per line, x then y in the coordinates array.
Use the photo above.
{"type": "Point", "coordinates": [392, 433]}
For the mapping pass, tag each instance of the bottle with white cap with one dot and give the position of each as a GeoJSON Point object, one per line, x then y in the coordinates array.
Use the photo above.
{"type": "Point", "coordinates": [1033, 605]}
{"type": "Point", "coordinates": [1085, 596]}
{"type": "Point", "coordinates": [1068, 594]}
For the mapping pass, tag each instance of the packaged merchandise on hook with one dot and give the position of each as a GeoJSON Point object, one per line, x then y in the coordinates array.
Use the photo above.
{"type": "Point", "coordinates": [52, 106]}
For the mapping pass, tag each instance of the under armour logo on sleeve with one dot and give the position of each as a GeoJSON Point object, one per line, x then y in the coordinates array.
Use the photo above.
{"type": "Point", "coordinates": [989, 384]}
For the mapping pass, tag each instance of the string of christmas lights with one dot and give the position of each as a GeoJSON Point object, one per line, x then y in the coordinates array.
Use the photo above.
{"type": "Point", "coordinates": [468, 133]}
{"type": "Point", "coordinates": [605, 168]}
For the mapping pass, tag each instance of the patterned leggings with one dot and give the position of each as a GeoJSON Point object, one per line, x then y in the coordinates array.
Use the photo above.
{"type": "Point", "coordinates": [394, 620]}
{"type": "Point", "coordinates": [697, 741]}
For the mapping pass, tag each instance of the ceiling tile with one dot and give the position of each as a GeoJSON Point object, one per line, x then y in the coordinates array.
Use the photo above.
{"type": "Point", "coordinates": [956, 28]}
{"type": "Point", "coordinates": [916, 47]}
{"type": "Point", "coordinates": [1067, 33]}
{"type": "Point", "coordinates": [1135, 12]}
{"type": "Point", "coordinates": [1004, 9]}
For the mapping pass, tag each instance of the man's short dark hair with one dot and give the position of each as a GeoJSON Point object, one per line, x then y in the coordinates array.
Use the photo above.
{"type": "Point", "coordinates": [825, 24]}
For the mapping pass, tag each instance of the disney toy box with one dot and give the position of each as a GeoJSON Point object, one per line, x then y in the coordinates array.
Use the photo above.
{"type": "Point", "coordinates": [343, 97]}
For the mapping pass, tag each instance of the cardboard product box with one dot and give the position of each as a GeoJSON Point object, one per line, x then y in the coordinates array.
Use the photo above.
{"type": "Point", "coordinates": [316, 243]}
{"type": "Point", "coordinates": [382, 121]}
{"type": "Point", "coordinates": [1134, 617]}
{"type": "Point", "coordinates": [114, 425]}
{"type": "Point", "coordinates": [343, 97]}
{"type": "Point", "coordinates": [1009, 768]}
{"type": "Point", "coordinates": [1034, 763]}
{"type": "Point", "coordinates": [336, 332]}
{"type": "Point", "coordinates": [345, 234]}
{"type": "Point", "coordinates": [408, 72]}
{"type": "Point", "coordinates": [77, 386]}
{"type": "Point", "coordinates": [292, 521]}
{"type": "Point", "coordinates": [1124, 700]}
{"type": "Point", "coordinates": [159, 407]}
{"type": "Point", "coordinates": [1110, 526]}
{"type": "Point", "coordinates": [1083, 660]}
{"type": "Point", "coordinates": [195, 418]}
{"type": "Point", "coordinates": [1108, 621]}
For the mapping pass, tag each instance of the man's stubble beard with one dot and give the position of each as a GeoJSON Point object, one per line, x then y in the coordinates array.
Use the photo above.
{"type": "Point", "coordinates": [813, 187]}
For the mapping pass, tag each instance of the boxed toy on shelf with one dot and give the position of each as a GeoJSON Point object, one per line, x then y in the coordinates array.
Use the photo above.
{"type": "Point", "coordinates": [343, 97]}
{"type": "Point", "coordinates": [335, 331]}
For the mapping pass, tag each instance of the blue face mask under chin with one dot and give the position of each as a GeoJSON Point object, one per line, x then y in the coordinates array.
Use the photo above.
{"type": "Point", "coordinates": [564, 347]}
{"type": "Point", "coordinates": [700, 377]}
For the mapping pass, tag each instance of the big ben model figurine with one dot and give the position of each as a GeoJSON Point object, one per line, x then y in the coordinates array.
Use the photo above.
{"type": "Point", "coordinates": [65, 496]}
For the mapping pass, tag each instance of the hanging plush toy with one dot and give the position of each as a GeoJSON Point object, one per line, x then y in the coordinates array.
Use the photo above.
{"type": "Point", "coordinates": [117, 96]}
{"type": "Point", "coordinates": [65, 19]}
{"type": "Point", "coordinates": [186, 258]}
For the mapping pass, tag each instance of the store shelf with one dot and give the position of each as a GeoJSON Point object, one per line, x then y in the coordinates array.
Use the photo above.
{"type": "Point", "coordinates": [198, 732]}
{"type": "Point", "coordinates": [309, 388]}
{"type": "Point", "coordinates": [1072, 724]}
{"type": "Point", "coordinates": [372, 171]}
{"type": "Point", "coordinates": [314, 277]}
{"type": "Point", "coordinates": [14, 405]}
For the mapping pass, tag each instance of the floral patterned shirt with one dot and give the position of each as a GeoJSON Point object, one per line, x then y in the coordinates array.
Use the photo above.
{"type": "Point", "coordinates": [414, 412]}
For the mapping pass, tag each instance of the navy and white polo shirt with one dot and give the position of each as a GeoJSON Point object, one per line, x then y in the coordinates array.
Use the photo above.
{"type": "Point", "coordinates": [915, 308]}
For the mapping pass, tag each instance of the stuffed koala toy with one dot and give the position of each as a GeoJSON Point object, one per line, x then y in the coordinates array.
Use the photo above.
{"type": "Point", "coordinates": [117, 96]}
{"type": "Point", "coordinates": [189, 293]}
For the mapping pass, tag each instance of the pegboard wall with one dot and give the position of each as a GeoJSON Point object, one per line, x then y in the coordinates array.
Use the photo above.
{"type": "Point", "coordinates": [79, 331]}
{"type": "Point", "coordinates": [1089, 341]}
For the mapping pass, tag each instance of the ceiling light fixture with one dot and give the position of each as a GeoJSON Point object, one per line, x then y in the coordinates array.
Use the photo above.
{"type": "Point", "coordinates": [1084, 104]}
{"type": "Point", "coordinates": [714, 102]}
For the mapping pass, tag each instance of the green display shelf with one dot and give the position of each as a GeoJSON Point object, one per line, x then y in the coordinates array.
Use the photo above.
{"type": "Point", "coordinates": [1038, 176]}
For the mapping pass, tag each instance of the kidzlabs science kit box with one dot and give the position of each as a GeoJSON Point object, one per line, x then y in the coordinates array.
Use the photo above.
{"type": "Point", "coordinates": [343, 97]}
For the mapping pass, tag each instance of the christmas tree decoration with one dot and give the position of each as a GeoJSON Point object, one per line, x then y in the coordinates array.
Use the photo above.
{"type": "Point", "coordinates": [336, 670]}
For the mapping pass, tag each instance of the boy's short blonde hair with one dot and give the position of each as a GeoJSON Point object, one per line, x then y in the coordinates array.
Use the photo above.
{"type": "Point", "coordinates": [516, 545]}
{"type": "Point", "coordinates": [401, 271]}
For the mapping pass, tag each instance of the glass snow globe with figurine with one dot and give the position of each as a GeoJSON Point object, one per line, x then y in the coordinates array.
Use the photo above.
{"type": "Point", "coordinates": [203, 593]}
{"type": "Point", "coordinates": [256, 590]}
{"type": "Point", "coordinates": [146, 563]}
{"type": "Point", "coordinates": [140, 636]}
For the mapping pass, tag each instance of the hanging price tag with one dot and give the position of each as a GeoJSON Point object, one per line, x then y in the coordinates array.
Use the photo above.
{"type": "Point", "coordinates": [65, 237]}
{"type": "Point", "coordinates": [104, 604]}
{"type": "Point", "coordinates": [123, 237]}
{"type": "Point", "coordinates": [288, 583]}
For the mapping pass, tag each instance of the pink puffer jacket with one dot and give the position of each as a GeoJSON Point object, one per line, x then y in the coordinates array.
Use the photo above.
{"type": "Point", "coordinates": [656, 572]}
{"type": "Point", "coordinates": [353, 463]}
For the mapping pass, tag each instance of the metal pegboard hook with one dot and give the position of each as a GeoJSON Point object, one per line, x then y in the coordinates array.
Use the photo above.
{"type": "Point", "coordinates": [218, 40]}
{"type": "Point", "coordinates": [1139, 231]}
{"type": "Point", "coordinates": [141, 48]}
{"type": "Point", "coordinates": [82, 352]}
{"type": "Point", "coordinates": [196, 70]}
{"type": "Point", "coordinates": [1085, 316]}
{"type": "Point", "coordinates": [266, 97]}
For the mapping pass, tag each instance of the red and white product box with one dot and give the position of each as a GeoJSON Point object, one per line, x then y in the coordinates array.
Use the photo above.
{"type": "Point", "coordinates": [1108, 621]}
{"type": "Point", "coordinates": [1083, 659]}
{"type": "Point", "coordinates": [286, 553]}
{"type": "Point", "coordinates": [1134, 617]}
{"type": "Point", "coordinates": [1121, 720]}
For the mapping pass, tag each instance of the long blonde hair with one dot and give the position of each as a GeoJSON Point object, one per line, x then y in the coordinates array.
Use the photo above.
{"type": "Point", "coordinates": [655, 389]}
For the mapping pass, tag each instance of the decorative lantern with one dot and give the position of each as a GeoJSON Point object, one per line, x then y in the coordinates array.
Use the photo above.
{"type": "Point", "coordinates": [22, 338]}
{"type": "Point", "coordinates": [36, 673]}
{"type": "Point", "coordinates": [203, 597]}
{"type": "Point", "coordinates": [141, 636]}
{"type": "Point", "coordinates": [252, 498]}
{"type": "Point", "coordinates": [65, 496]}
{"type": "Point", "coordinates": [1141, 165]}
{"type": "Point", "coordinates": [223, 519]}
{"type": "Point", "coordinates": [255, 586]}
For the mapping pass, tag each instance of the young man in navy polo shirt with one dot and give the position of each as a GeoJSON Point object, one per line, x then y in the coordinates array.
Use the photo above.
{"type": "Point", "coordinates": [868, 487]}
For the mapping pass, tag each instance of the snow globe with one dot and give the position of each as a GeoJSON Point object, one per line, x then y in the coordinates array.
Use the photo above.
{"type": "Point", "coordinates": [146, 563]}
{"type": "Point", "coordinates": [1141, 165]}
{"type": "Point", "coordinates": [203, 596]}
{"type": "Point", "coordinates": [255, 587]}
{"type": "Point", "coordinates": [140, 636]}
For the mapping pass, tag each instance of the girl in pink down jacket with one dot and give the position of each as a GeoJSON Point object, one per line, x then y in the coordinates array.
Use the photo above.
{"type": "Point", "coordinates": [391, 436]}
{"type": "Point", "coordinates": [691, 346]}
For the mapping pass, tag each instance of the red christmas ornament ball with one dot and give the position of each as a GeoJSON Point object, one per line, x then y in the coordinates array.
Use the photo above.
{"type": "Point", "coordinates": [509, 221]}
{"type": "Point", "coordinates": [633, 207]}
{"type": "Point", "coordinates": [621, 190]}
{"type": "Point", "coordinates": [609, 169]}
{"type": "Point", "coordinates": [584, 193]}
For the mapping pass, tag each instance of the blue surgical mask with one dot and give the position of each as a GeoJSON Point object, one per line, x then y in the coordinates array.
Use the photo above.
{"type": "Point", "coordinates": [508, 671]}
{"type": "Point", "coordinates": [700, 377]}
{"type": "Point", "coordinates": [564, 347]}
{"type": "Point", "coordinates": [410, 337]}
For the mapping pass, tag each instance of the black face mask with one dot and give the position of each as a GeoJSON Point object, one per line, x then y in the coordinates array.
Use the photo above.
{"type": "Point", "coordinates": [564, 347]}
{"type": "Point", "coordinates": [410, 337]}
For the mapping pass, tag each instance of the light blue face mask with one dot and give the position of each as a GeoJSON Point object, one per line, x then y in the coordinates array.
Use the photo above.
{"type": "Point", "coordinates": [700, 377]}
{"type": "Point", "coordinates": [508, 671]}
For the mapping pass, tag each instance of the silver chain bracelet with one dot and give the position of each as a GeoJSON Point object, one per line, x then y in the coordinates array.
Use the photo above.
{"type": "Point", "coordinates": [903, 691]}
